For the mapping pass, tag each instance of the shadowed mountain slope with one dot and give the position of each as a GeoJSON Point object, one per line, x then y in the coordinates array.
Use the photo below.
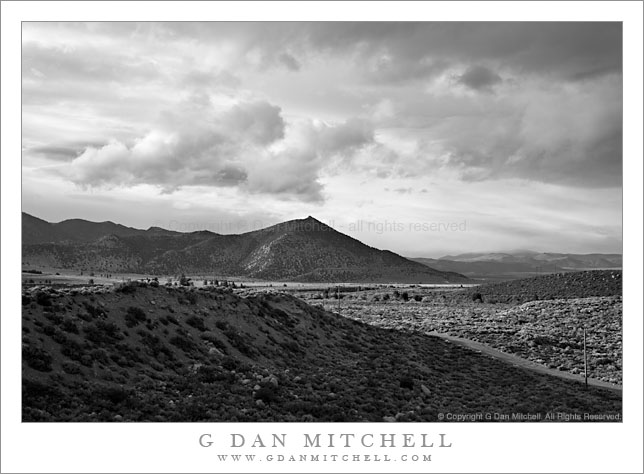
{"type": "Point", "coordinates": [298, 250]}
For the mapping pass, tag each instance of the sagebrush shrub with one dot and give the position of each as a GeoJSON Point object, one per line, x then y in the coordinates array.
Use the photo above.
{"type": "Point", "coordinates": [134, 316]}
{"type": "Point", "coordinates": [71, 368]}
{"type": "Point", "coordinates": [223, 325]}
{"type": "Point", "coordinates": [103, 332]}
{"type": "Point", "coordinates": [407, 382]}
{"type": "Point", "coordinates": [43, 299]}
{"type": "Point", "coordinates": [183, 343]}
{"type": "Point", "coordinates": [69, 325]}
{"type": "Point", "coordinates": [267, 393]}
{"type": "Point", "coordinates": [196, 322]}
{"type": "Point", "coordinates": [36, 358]}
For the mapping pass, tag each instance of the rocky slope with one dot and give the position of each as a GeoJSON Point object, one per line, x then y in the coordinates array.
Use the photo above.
{"type": "Point", "coordinates": [143, 353]}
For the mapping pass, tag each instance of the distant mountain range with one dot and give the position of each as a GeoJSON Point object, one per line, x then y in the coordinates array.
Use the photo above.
{"type": "Point", "coordinates": [519, 263]}
{"type": "Point", "coordinates": [38, 231]}
{"type": "Point", "coordinates": [298, 250]}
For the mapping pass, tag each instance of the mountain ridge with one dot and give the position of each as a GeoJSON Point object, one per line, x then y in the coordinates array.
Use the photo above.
{"type": "Point", "coordinates": [515, 264]}
{"type": "Point", "coordinates": [296, 250]}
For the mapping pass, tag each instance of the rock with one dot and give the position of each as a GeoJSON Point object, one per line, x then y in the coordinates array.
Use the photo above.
{"type": "Point", "coordinates": [260, 403]}
{"type": "Point", "coordinates": [256, 387]}
{"type": "Point", "coordinates": [214, 350]}
{"type": "Point", "coordinates": [118, 418]}
{"type": "Point", "coordinates": [389, 419]}
{"type": "Point", "coordinates": [425, 390]}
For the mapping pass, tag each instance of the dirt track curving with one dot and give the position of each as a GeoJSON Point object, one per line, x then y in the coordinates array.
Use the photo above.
{"type": "Point", "coordinates": [523, 363]}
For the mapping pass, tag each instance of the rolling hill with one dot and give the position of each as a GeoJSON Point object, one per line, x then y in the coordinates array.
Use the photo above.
{"type": "Point", "coordinates": [144, 353]}
{"type": "Point", "coordinates": [298, 250]}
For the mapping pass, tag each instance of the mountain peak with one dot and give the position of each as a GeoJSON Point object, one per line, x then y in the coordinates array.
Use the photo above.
{"type": "Point", "coordinates": [309, 224]}
{"type": "Point", "coordinates": [310, 220]}
{"type": "Point", "coordinates": [297, 250]}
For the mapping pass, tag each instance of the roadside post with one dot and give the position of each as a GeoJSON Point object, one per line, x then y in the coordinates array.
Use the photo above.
{"type": "Point", "coordinates": [585, 361]}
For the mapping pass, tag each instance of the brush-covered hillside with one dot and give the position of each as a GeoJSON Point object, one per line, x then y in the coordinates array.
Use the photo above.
{"type": "Point", "coordinates": [299, 250]}
{"type": "Point", "coordinates": [146, 353]}
{"type": "Point", "coordinates": [558, 285]}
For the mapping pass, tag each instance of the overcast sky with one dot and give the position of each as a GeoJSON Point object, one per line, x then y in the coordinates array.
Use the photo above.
{"type": "Point", "coordinates": [422, 138]}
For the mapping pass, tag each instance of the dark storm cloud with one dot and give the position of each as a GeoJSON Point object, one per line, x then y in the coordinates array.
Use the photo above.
{"type": "Point", "coordinates": [56, 153]}
{"type": "Point", "coordinates": [61, 152]}
{"type": "Point", "coordinates": [568, 133]}
{"type": "Point", "coordinates": [289, 61]}
{"type": "Point", "coordinates": [479, 78]}
{"type": "Point", "coordinates": [567, 50]}
{"type": "Point", "coordinates": [593, 163]}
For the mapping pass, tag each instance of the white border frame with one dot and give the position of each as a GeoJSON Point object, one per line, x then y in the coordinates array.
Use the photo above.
{"type": "Point", "coordinates": [505, 447]}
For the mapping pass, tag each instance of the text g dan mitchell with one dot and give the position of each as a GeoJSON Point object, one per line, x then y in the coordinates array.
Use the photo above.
{"type": "Point", "coordinates": [330, 440]}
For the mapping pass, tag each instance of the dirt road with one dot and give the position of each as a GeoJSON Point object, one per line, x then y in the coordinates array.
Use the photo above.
{"type": "Point", "coordinates": [520, 362]}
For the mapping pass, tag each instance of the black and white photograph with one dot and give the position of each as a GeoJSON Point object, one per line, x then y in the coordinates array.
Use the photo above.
{"type": "Point", "coordinates": [234, 222]}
